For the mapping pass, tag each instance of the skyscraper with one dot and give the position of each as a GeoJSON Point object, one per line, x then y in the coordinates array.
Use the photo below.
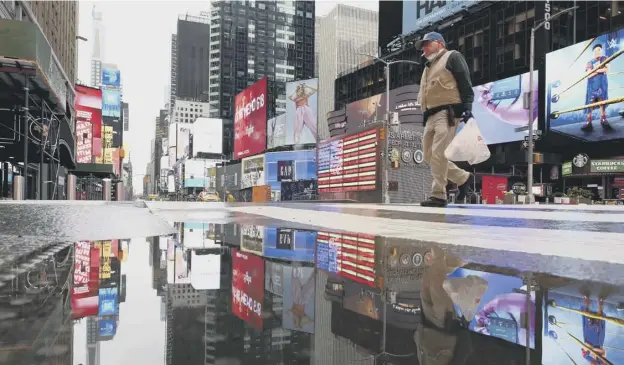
{"type": "Point", "coordinates": [253, 39]}
{"type": "Point", "coordinates": [97, 54]}
{"type": "Point", "coordinates": [345, 31]}
{"type": "Point", "coordinates": [192, 48]}
{"type": "Point", "coordinates": [174, 72]}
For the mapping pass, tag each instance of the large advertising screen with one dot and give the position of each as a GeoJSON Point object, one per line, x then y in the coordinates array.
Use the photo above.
{"type": "Point", "coordinates": [252, 239]}
{"type": "Point", "coordinates": [84, 141]}
{"type": "Point", "coordinates": [207, 136]}
{"type": "Point", "coordinates": [183, 139]}
{"type": "Point", "coordinates": [181, 268]}
{"type": "Point", "coordinates": [195, 173]}
{"type": "Point", "coordinates": [111, 77]}
{"type": "Point", "coordinates": [107, 327]}
{"type": "Point", "coordinates": [583, 325]}
{"type": "Point", "coordinates": [349, 255]}
{"type": "Point", "coordinates": [250, 120]}
{"type": "Point", "coordinates": [289, 166]}
{"type": "Point", "coordinates": [111, 103]}
{"type": "Point", "coordinates": [299, 290]}
{"type": "Point", "coordinates": [86, 280]}
{"type": "Point", "coordinates": [584, 89]}
{"type": "Point", "coordinates": [253, 172]}
{"type": "Point", "coordinates": [501, 311]}
{"type": "Point", "coordinates": [424, 13]}
{"type": "Point", "coordinates": [247, 287]}
{"type": "Point", "coordinates": [499, 110]}
{"type": "Point", "coordinates": [348, 163]}
{"type": "Point", "coordinates": [88, 104]}
{"type": "Point", "coordinates": [117, 130]}
{"type": "Point", "coordinates": [289, 244]}
{"type": "Point", "coordinates": [299, 126]}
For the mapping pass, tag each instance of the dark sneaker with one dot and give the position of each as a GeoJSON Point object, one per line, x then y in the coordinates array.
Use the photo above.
{"type": "Point", "coordinates": [465, 189]}
{"type": "Point", "coordinates": [434, 203]}
{"type": "Point", "coordinates": [587, 127]}
{"type": "Point", "coordinates": [604, 122]}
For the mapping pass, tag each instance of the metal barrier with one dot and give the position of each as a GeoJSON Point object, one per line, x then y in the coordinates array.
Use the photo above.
{"type": "Point", "coordinates": [120, 192]}
{"type": "Point", "coordinates": [71, 187]}
{"type": "Point", "coordinates": [89, 188]}
{"type": "Point", "coordinates": [18, 187]}
{"type": "Point", "coordinates": [107, 186]}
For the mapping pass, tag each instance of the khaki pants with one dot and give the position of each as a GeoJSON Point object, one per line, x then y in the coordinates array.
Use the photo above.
{"type": "Point", "coordinates": [438, 135]}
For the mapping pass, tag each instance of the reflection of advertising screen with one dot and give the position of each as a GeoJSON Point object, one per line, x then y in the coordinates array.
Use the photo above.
{"type": "Point", "coordinates": [252, 239]}
{"type": "Point", "coordinates": [205, 270]}
{"type": "Point", "coordinates": [359, 299]}
{"type": "Point", "coordinates": [299, 288]}
{"type": "Point", "coordinates": [501, 310]}
{"type": "Point", "coordinates": [247, 287]}
{"type": "Point", "coordinates": [170, 249]}
{"type": "Point", "coordinates": [107, 327]}
{"type": "Point", "coordinates": [499, 109]}
{"type": "Point", "coordinates": [583, 325]}
{"type": "Point", "coordinates": [584, 88]}
{"type": "Point", "coordinates": [162, 243]}
{"type": "Point", "coordinates": [199, 235]}
{"type": "Point", "coordinates": [350, 255]}
{"type": "Point", "coordinates": [109, 302]}
{"type": "Point", "coordinates": [274, 277]}
{"type": "Point", "coordinates": [250, 120]}
{"type": "Point", "coordinates": [106, 251]}
{"type": "Point", "coordinates": [301, 112]}
{"type": "Point", "coordinates": [289, 244]}
{"type": "Point", "coordinates": [84, 294]}
{"type": "Point", "coordinates": [181, 268]}
{"type": "Point", "coordinates": [348, 163]}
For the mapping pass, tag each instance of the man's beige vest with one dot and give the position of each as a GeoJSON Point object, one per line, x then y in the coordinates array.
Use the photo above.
{"type": "Point", "coordinates": [437, 85]}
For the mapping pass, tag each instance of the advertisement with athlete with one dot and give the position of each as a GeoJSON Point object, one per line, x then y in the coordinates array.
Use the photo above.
{"type": "Point", "coordinates": [250, 120]}
{"type": "Point", "coordinates": [584, 89]}
{"type": "Point", "coordinates": [247, 287]}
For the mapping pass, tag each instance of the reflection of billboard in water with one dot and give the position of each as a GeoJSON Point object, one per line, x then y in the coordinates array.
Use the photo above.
{"type": "Point", "coordinates": [299, 288]}
{"type": "Point", "coordinates": [589, 73]}
{"type": "Point", "coordinates": [247, 287]}
{"type": "Point", "coordinates": [252, 239]}
{"type": "Point", "coordinates": [583, 325]}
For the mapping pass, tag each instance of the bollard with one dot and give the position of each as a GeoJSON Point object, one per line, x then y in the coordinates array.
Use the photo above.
{"type": "Point", "coordinates": [106, 189]}
{"type": "Point", "coordinates": [70, 183]}
{"type": "Point", "coordinates": [119, 192]}
{"type": "Point", "coordinates": [18, 187]}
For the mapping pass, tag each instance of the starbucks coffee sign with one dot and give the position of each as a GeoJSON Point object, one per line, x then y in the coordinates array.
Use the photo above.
{"type": "Point", "coordinates": [608, 166]}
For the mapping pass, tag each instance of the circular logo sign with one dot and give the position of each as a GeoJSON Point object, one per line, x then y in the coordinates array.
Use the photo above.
{"type": "Point", "coordinates": [518, 187]}
{"type": "Point", "coordinates": [394, 154]}
{"type": "Point", "coordinates": [419, 156]}
{"type": "Point", "coordinates": [428, 259]}
{"type": "Point", "coordinates": [406, 156]}
{"type": "Point", "coordinates": [417, 259]}
{"type": "Point", "coordinates": [580, 160]}
{"type": "Point", "coordinates": [405, 259]}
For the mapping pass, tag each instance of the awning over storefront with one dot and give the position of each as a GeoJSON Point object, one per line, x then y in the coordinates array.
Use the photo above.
{"type": "Point", "coordinates": [96, 169]}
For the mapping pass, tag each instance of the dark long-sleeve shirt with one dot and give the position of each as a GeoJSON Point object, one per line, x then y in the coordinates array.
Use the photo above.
{"type": "Point", "coordinates": [456, 64]}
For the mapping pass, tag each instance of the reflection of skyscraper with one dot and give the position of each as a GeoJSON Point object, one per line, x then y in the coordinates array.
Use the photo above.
{"type": "Point", "coordinates": [93, 346]}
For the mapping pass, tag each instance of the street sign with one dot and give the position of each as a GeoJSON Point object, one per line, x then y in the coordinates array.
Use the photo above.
{"type": "Point", "coordinates": [525, 144]}
{"type": "Point", "coordinates": [535, 138]}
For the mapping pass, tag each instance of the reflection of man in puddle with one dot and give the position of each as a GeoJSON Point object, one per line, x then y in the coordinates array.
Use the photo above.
{"type": "Point", "coordinates": [594, 331]}
{"type": "Point", "coordinates": [301, 292]}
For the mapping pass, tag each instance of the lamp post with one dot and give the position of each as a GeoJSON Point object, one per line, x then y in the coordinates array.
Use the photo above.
{"type": "Point", "coordinates": [386, 121]}
{"type": "Point", "coordinates": [530, 143]}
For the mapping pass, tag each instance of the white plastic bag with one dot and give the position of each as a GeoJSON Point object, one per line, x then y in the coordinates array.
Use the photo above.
{"type": "Point", "coordinates": [468, 145]}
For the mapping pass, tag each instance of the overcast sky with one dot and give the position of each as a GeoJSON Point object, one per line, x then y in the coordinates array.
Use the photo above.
{"type": "Point", "coordinates": [138, 40]}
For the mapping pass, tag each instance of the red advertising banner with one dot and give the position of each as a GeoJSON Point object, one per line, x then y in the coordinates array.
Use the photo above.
{"type": "Point", "coordinates": [88, 105]}
{"type": "Point", "coordinates": [250, 120]}
{"type": "Point", "coordinates": [84, 142]}
{"type": "Point", "coordinates": [84, 294]}
{"type": "Point", "coordinates": [349, 255]}
{"type": "Point", "coordinates": [247, 287]}
{"type": "Point", "coordinates": [494, 187]}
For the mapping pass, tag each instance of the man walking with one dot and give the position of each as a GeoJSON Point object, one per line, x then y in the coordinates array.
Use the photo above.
{"type": "Point", "coordinates": [445, 98]}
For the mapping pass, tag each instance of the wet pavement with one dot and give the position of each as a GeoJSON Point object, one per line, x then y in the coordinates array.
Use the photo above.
{"type": "Point", "coordinates": [313, 284]}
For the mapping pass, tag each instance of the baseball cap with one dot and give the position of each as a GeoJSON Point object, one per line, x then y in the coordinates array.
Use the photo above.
{"type": "Point", "coordinates": [431, 36]}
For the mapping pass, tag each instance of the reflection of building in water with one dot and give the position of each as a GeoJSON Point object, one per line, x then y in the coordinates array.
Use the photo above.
{"type": "Point", "coordinates": [93, 345]}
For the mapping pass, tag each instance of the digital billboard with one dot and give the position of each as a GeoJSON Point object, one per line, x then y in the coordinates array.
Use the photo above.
{"type": "Point", "coordinates": [111, 103]}
{"type": "Point", "coordinates": [252, 239]}
{"type": "Point", "coordinates": [88, 105]}
{"type": "Point", "coordinates": [299, 190]}
{"type": "Point", "coordinates": [109, 302]}
{"type": "Point", "coordinates": [182, 139]}
{"type": "Point", "coordinates": [299, 290]}
{"type": "Point", "coordinates": [84, 141]}
{"type": "Point", "coordinates": [195, 173]}
{"type": "Point", "coordinates": [501, 309]}
{"type": "Point", "coordinates": [582, 325]}
{"type": "Point", "coordinates": [247, 287]}
{"type": "Point", "coordinates": [84, 294]}
{"type": "Point", "coordinates": [274, 277]}
{"type": "Point", "coordinates": [584, 88]}
{"type": "Point", "coordinates": [350, 255]}
{"type": "Point", "coordinates": [420, 14]}
{"type": "Point", "coordinates": [111, 77]}
{"type": "Point", "coordinates": [499, 111]}
{"type": "Point", "coordinates": [117, 130]}
{"type": "Point", "coordinates": [289, 166]}
{"type": "Point", "coordinates": [250, 120]}
{"type": "Point", "coordinates": [299, 126]}
{"type": "Point", "coordinates": [289, 244]}
{"type": "Point", "coordinates": [348, 163]}
{"type": "Point", "coordinates": [207, 136]}
{"type": "Point", "coordinates": [253, 172]}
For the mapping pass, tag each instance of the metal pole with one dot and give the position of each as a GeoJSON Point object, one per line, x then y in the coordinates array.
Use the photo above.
{"type": "Point", "coordinates": [41, 147]}
{"type": "Point", "coordinates": [531, 113]}
{"type": "Point", "coordinates": [26, 135]}
{"type": "Point", "coordinates": [384, 158]}
{"type": "Point", "coordinates": [528, 319]}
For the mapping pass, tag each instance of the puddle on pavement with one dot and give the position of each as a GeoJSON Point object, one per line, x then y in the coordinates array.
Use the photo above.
{"type": "Point", "coordinates": [248, 294]}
